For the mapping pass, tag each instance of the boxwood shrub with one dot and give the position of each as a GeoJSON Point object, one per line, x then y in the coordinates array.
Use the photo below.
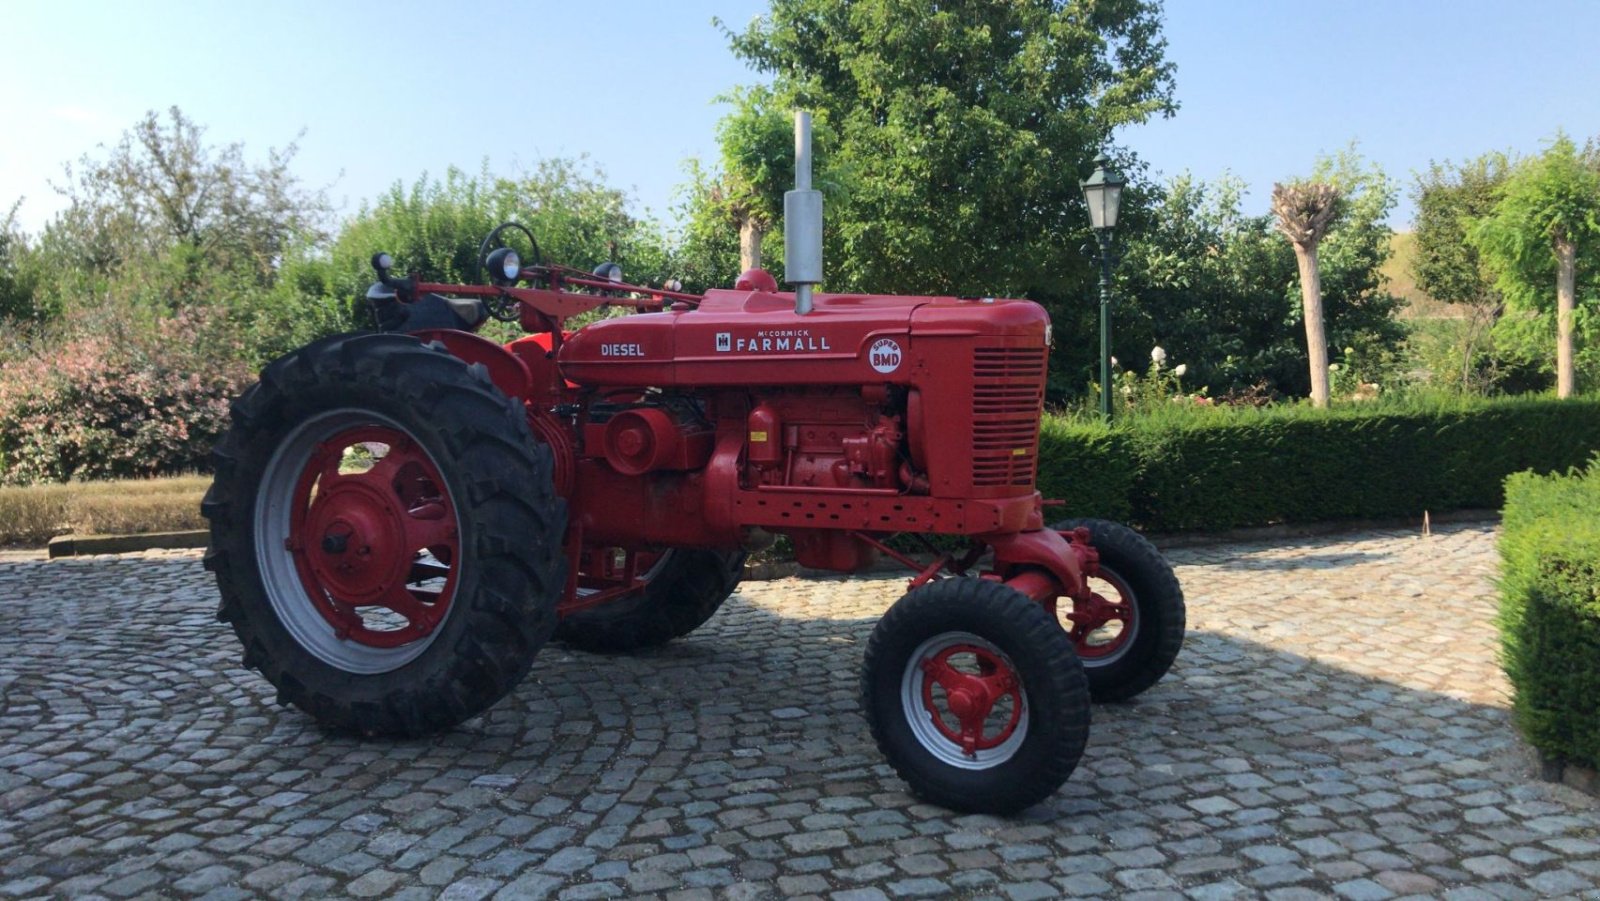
{"type": "Point", "coordinates": [1218, 469]}
{"type": "Point", "coordinates": [1550, 611]}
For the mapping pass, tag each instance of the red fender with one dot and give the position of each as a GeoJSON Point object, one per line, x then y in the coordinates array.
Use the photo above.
{"type": "Point", "coordinates": [1019, 556]}
{"type": "Point", "coordinates": [508, 373]}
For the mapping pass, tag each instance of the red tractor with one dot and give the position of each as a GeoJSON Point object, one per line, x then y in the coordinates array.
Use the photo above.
{"type": "Point", "coordinates": [400, 519]}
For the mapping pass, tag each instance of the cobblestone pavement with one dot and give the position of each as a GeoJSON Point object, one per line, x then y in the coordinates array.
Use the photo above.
{"type": "Point", "coordinates": [1336, 726]}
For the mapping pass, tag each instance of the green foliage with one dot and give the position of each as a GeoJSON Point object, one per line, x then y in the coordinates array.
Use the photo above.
{"type": "Point", "coordinates": [961, 131]}
{"type": "Point", "coordinates": [1216, 468]}
{"type": "Point", "coordinates": [19, 272]}
{"type": "Point", "coordinates": [1550, 610]}
{"type": "Point", "coordinates": [757, 141]}
{"type": "Point", "coordinates": [1219, 289]}
{"type": "Point", "coordinates": [434, 229]}
{"type": "Point", "coordinates": [1545, 200]}
{"type": "Point", "coordinates": [1449, 198]}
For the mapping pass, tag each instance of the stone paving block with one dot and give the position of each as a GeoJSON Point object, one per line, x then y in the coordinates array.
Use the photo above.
{"type": "Point", "coordinates": [1296, 749]}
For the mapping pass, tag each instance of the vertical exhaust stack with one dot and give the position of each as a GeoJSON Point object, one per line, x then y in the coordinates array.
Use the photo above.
{"type": "Point", "coordinates": [802, 222]}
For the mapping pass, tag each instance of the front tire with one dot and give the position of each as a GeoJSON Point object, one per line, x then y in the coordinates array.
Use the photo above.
{"type": "Point", "coordinates": [975, 696]}
{"type": "Point", "coordinates": [385, 535]}
{"type": "Point", "coordinates": [1130, 633]}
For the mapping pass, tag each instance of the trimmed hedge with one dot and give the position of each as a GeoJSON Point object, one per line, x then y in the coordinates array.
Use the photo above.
{"type": "Point", "coordinates": [1218, 469]}
{"type": "Point", "coordinates": [1550, 611]}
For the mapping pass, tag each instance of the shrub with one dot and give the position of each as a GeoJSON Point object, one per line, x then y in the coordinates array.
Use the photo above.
{"type": "Point", "coordinates": [95, 407]}
{"type": "Point", "coordinates": [1224, 468]}
{"type": "Point", "coordinates": [1550, 610]}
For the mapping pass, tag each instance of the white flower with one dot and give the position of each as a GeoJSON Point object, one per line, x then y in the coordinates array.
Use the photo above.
{"type": "Point", "coordinates": [1333, 367]}
{"type": "Point", "coordinates": [1114, 362]}
{"type": "Point", "coordinates": [1158, 356]}
{"type": "Point", "coordinates": [1180, 369]}
{"type": "Point", "coordinates": [1127, 389]}
{"type": "Point", "coordinates": [1349, 350]}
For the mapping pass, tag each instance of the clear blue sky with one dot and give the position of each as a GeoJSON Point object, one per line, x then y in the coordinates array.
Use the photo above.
{"type": "Point", "coordinates": [385, 91]}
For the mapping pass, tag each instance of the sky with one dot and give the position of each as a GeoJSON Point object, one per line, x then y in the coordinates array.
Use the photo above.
{"type": "Point", "coordinates": [383, 92]}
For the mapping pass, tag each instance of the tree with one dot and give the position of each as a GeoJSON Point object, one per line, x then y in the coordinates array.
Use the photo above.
{"type": "Point", "coordinates": [1303, 211]}
{"type": "Point", "coordinates": [1218, 288]}
{"type": "Point", "coordinates": [19, 274]}
{"type": "Point", "coordinates": [758, 166]}
{"type": "Point", "coordinates": [1446, 266]}
{"type": "Point", "coordinates": [1547, 217]}
{"type": "Point", "coordinates": [163, 191]}
{"type": "Point", "coordinates": [961, 131]}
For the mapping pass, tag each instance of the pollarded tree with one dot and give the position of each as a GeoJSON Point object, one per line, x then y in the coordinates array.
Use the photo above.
{"type": "Point", "coordinates": [757, 167]}
{"type": "Point", "coordinates": [1303, 211]}
{"type": "Point", "coordinates": [1546, 220]}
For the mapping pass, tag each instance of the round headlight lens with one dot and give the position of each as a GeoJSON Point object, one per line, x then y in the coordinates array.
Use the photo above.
{"type": "Point", "coordinates": [511, 265]}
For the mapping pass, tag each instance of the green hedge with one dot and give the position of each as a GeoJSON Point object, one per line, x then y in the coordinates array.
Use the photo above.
{"type": "Point", "coordinates": [1217, 469]}
{"type": "Point", "coordinates": [1550, 610]}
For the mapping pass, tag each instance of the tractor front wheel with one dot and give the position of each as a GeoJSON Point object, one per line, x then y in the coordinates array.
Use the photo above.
{"type": "Point", "coordinates": [975, 696]}
{"type": "Point", "coordinates": [1130, 630]}
{"type": "Point", "coordinates": [385, 535]}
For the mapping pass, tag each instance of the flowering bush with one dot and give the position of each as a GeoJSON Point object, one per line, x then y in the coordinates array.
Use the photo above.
{"type": "Point", "coordinates": [101, 406]}
{"type": "Point", "coordinates": [1158, 387]}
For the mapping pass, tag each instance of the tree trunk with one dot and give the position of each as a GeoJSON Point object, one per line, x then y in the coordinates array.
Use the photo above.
{"type": "Point", "coordinates": [750, 235]}
{"type": "Point", "coordinates": [1316, 338]}
{"type": "Point", "coordinates": [1566, 278]}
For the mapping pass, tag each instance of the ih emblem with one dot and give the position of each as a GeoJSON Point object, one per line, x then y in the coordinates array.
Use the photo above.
{"type": "Point", "coordinates": [724, 342]}
{"type": "Point", "coordinates": [884, 355]}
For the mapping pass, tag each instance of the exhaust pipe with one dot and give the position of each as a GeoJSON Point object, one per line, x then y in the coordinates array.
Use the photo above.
{"type": "Point", "coordinates": [802, 222]}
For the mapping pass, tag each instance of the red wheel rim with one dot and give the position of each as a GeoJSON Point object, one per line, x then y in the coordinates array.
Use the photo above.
{"type": "Point", "coordinates": [358, 534]}
{"type": "Point", "coordinates": [1091, 619]}
{"type": "Point", "coordinates": [970, 698]}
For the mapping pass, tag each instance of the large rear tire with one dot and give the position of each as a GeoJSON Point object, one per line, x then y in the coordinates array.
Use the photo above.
{"type": "Point", "coordinates": [385, 535]}
{"type": "Point", "coordinates": [975, 696]}
{"type": "Point", "coordinates": [1130, 633]}
{"type": "Point", "coordinates": [683, 588]}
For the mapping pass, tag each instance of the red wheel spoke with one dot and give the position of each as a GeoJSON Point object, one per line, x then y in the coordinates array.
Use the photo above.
{"type": "Point", "coordinates": [428, 526]}
{"type": "Point", "coordinates": [403, 602]}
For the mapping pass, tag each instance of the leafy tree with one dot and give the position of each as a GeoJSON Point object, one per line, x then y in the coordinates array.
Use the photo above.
{"type": "Point", "coordinates": [961, 130]}
{"type": "Point", "coordinates": [19, 275]}
{"type": "Point", "coordinates": [1447, 266]}
{"type": "Point", "coordinates": [162, 190]}
{"type": "Point", "coordinates": [1546, 219]}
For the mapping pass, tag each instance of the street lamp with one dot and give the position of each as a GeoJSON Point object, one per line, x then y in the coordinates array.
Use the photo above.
{"type": "Point", "coordinates": [1102, 191]}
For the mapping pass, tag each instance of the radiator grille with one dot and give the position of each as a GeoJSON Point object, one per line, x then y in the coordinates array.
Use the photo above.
{"type": "Point", "coordinates": [1007, 398]}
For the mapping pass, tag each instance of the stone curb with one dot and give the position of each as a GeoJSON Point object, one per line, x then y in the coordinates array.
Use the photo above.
{"type": "Point", "coordinates": [79, 545]}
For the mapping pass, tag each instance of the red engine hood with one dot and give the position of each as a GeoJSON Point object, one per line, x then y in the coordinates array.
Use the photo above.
{"type": "Point", "coordinates": [755, 338]}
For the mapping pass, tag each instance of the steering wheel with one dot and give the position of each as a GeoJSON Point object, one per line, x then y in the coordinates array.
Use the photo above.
{"type": "Point", "coordinates": [503, 307]}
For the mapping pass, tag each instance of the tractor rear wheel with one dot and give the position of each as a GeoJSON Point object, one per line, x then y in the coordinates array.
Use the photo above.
{"type": "Point", "coordinates": [975, 696]}
{"type": "Point", "coordinates": [1130, 632]}
{"type": "Point", "coordinates": [682, 589]}
{"type": "Point", "coordinates": [385, 535]}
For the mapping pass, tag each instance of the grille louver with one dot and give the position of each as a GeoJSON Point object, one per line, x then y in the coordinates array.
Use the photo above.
{"type": "Point", "coordinates": [1007, 398]}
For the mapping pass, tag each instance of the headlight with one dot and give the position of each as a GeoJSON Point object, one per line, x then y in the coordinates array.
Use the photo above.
{"type": "Point", "coordinates": [505, 266]}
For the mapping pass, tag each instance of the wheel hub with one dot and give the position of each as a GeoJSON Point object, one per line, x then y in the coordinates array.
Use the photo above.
{"type": "Point", "coordinates": [360, 533]}
{"type": "Point", "coordinates": [971, 698]}
{"type": "Point", "coordinates": [362, 552]}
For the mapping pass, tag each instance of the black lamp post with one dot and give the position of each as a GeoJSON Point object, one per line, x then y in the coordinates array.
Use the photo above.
{"type": "Point", "coordinates": [1103, 193]}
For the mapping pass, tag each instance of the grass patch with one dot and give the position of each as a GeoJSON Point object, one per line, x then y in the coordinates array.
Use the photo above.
{"type": "Point", "coordinates": [30, 516]}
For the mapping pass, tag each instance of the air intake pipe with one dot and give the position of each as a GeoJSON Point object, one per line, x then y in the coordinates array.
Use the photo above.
{"type": "Point", "coordinates": [802, 222]}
